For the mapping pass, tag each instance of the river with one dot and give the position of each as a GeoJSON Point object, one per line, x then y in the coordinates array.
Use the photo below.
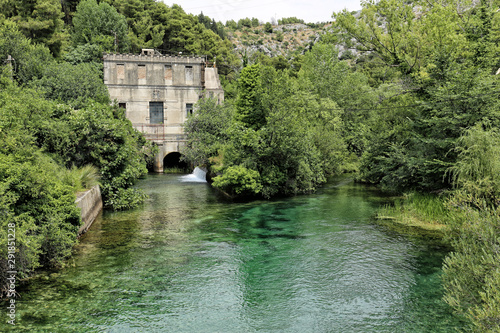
{"type": "Point", "coordinates": [189, 261]}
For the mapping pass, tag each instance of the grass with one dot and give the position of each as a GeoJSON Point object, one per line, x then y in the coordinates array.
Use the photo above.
{"type": "Point", "coordinates": [423, 211]}
{"type": "Point", "coordinates": [81, 179]}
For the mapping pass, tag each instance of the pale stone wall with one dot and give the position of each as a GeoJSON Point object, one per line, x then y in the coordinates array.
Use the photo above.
{"type": "Point", "coordinates": [176, 81]}
{"type": "Point", "coordinates": [90, 203]}
{"type": "Point", "coordinates": [137, 80]}
{"type": "Point", "coordinates": [212, 84]}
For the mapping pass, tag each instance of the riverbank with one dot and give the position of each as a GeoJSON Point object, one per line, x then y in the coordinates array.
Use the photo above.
{"type": "Point", "coordinates": [417, 213]}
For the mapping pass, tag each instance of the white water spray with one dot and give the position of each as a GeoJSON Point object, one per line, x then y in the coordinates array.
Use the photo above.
{"type": "Point", "coordinates": [198, 176]}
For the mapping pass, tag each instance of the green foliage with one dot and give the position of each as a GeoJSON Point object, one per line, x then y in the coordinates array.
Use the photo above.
{"type": "Point", "coordinates": [102, 137]}
{"type": "Point", "coordinates": [249, 109]}
{"type": "Point", "coordinates": [68, 9]}
{"type": "Point", "coordinates": [154, 24]}
{"type": "Point", "coordinates": [44, 156]}
{"type": "Point", "coordinates": [472, 272]}
{"type": "Point", "coordinates": [279, 36]}
{"type": "Point", "coordinates": [81, 179]}
{"type": "Point", "coordinates": [477, 170]}
{"type": "Point", "coordinates": [209, 23]}
{"type": "Point", "coordinates": [402, 40]}
{"type": "Point", "coordinates": [84, 53]}
{"type": "Point", "coordinates": [290, 20]}
{"type": "Point", "coordinates": [97, 134]}
{"type": "Point", "coordinates": [100, 24]}
{"type": "Point", "coordinates": [206, 130]}
{"type": "Point", "coordinates": [289, 163]}
{"type": "Point", "coordinates": [39, 20]}
{"type": "Point", "coordinates": [290, 145]}
{"type": "Point", "coordinates": [268, 28]}
{"type": "Point", "coordinates": [323, 74]}
{"type": "Point", "coordinates": [244, 23]}
{"type": "Point", "coordinates": [231, 24]}
{"type": "Point", "coordinates": [73, 84]}
{"type": "Point", "coordinates": [239, 180]}
{"type": "Point", "coordinates": [30, 60]}
{"type": "Point", "coordinates": [40, 205]}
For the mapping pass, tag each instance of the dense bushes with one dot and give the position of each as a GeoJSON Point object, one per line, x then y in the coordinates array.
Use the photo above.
{"type": "Point", "coordinates": [46, 151]}
{"type": "Point", "coordinates": [277, 140]}
{"type": "Point", "coordinates": [439, 134]}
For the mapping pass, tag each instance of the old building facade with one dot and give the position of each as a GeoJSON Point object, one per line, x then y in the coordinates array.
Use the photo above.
{"type": "Point", "coordinates": [158, 93]}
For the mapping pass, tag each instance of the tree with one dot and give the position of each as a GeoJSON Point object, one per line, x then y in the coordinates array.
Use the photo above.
{"type": "Point", "coordinates": [324, 75]}
{"type": "Point", "coordinates": [268, 28]}
{"type": "Point", "coordinates": [471, 272]}
{"type": "Point", "coordinates": [207, 131]}
{"type": "Point", "coordinates": [88, 53]}
{"type": "Point", "coordinates": [281, 147]}
{"type": "Point", "coordinates": [231, 24]}
{"type": "Point", "coordinates": [477, 170]}
{"type": "Point", "coordinates": [154, 24]}
{"type": "Point", "coordinates": [33, 193]}
{"type": "Point", "coordinates": [39, 20]}
{"type": "Point", "coordinates": [401, 34]}
{"type": "Point", "coordinates": [73, 84]}
{"type": "Point", "coordinates": [238, 180]}
{"type": "Point", "coordinates": [244, 23]}
{"type": "Point", "coordinates": [30, 60]}
{"type": "Point", "coordinates": [249, 109]}
{"type": "Point", "coordinates": [102, 136]}
{"type": "Point", "coordinates": [68, 8]}
{"type": "Point", "coordinates": [100, 24]}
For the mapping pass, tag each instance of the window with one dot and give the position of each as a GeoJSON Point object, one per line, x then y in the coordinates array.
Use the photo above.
{"type": "Point", "coordinates": [122, 105]}
{"type": "Point", "coordinates": [120, 71]}
{"type": "Point", "coordinates": [189, 109]}
{"type": "Point", "coordinates": [156, 112]}
{"type": "Point", "coordinates": [168, 72]}
{"type": "Point", "coordinates": [141, 72]}
{"type": "Point", "coordinates": [189, 73]}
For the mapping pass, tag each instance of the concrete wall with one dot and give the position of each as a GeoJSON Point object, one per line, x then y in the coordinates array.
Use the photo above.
{"type": "Point", "coordinates": [90, 203]}
{"type": "Point", "coordinates": [137, 80]}
{"type": "Point", "coordinates": [178, 82]}
{"type": "Point", "coordinates": [213, 86]}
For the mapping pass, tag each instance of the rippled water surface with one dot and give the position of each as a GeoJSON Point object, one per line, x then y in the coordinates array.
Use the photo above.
{"type": "Point", "coordinates": [190, 262]}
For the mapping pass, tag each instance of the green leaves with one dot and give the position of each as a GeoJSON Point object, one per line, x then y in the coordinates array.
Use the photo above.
{"type": "Point", "coordinates": [40, 205]}
{"type": "Point", "coordinates": [239, 180]}
{"type": "Point", "coordinates": [75, 85]}
{"type": "Point", "coordinates": [249, 108]}
{"type": "Point", "coordinates": [100, 24]}
{"type": "Point", "coordinates": [39, 20]}
{"type": "Point", "coordinates": [112, 145]}
{"type": "Point", "coordinates": [29, 60]}
{"type": "Point", "coordinates": [207, 131]}
{"type": "Point", "coordinates": [278, 141]}
{"type": "Point", "coordinates": [471, 272]}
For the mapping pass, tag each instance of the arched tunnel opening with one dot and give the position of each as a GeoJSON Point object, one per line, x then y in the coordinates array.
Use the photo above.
{"type": "Point", "coordinates": [172, 163]}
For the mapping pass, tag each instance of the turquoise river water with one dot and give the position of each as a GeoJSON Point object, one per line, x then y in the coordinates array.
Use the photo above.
{"type": "Point", "coordinates": [189, 261]}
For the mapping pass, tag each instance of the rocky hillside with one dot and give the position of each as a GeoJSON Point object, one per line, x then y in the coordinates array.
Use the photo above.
{"type": "Point", "coordinates": [285, 40]}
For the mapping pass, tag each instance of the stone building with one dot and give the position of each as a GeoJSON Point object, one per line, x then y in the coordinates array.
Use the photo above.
{"type": "Point", "coordinates": [158, 93]}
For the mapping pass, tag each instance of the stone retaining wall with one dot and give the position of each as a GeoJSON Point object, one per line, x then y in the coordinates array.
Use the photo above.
{"type": "Point", "coordinates": [90, 203]}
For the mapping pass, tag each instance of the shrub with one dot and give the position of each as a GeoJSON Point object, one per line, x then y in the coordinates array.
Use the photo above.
{"type": "Point", "coordinates": [239, 180]}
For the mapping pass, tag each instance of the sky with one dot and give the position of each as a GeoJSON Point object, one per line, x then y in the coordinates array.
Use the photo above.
{"type": "Point", "coordinates": [311, 11]}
